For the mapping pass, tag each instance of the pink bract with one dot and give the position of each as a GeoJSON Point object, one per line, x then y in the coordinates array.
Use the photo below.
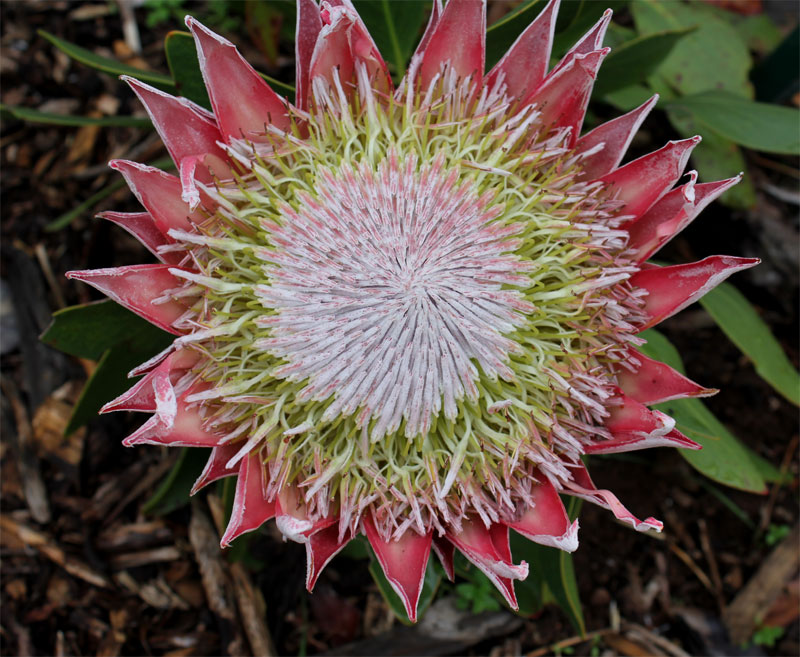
{"type": "Point", "coordinates": [408, 311]}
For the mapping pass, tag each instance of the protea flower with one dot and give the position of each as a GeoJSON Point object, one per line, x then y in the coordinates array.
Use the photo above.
{"type": "Point", "coordinates": [408, 312]}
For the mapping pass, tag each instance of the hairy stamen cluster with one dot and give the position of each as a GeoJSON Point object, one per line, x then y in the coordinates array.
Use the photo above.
{"type": "Point", "coordinates": [422, 314]}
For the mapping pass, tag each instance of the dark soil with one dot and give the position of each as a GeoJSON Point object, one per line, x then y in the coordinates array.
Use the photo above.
{"type": "Point", "coordinates": [86, 571]}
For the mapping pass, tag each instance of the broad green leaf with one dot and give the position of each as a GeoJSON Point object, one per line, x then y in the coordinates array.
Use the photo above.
{"type": "Point", "coordinates": [633, 61]}
{"type": "Point", "coordinates": [723, 458]}
{"type": "Point", "coordinates": [758, 31]}
{"type": "Point", "coordinates": [396, 28]}
{"type": "Point", "coordinates": [107, 64]}
{"type": "Point", "coordinates": [501, 34]}
{"type": "Point", "coordinates": [173, 493]}
{"type": "Point", "coordinates": [587, 13]}
{"type": "Point", "coordinates": [90, 330]}
{"type": "Point", "coordinates": [760, 126]}
{"type": "Point", "coordinates": [68, 217]}
{"type": "Point", "coordinates": [740, 322]}
{"type": "Point", "coordinates": [716, 158]}
{"type": "Point", "coordinates": [35, 116]}
{"type": "Point", "coordinates": [554, 572]}
{"type": "Point", "coordinates": [185, 68]}
{"type": "Point", "coordinates": [629, 97]}
{"type": "Point", "coordinates": [712, 57]}
{"type": "Point", "coordinates": [769, 472]}
{"type": "Point", "coordinates": [429, 586]}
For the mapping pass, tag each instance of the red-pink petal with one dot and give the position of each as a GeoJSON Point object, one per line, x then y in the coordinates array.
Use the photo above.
{"type": "Point", "coordinates": [525, 64]}
{"type": "Point", "coordinates": [183, 429]}
{"type": "Point", "coordinates": [216, 467]}
{"type": "Point", "coordinates": [611, 140]}
{"type": "Point", "coordinates": [654, 382]}
{"type": "Point", "coordinates": [160, 194]}
{"type": "Point", "coordinates": [242, 100]}
{"type": "Point", "coordinates": [136, 287]}
{"type": "Point", "coordinates": [633, 426]}
{"type": "Point", "coordinates": [433, 21]}
{"type": "Point", "coordinates": [672, 214]}
{"type": "Point", "coordinates": [143, 227]}
{"type": "Point", "coordinates": [343, 41]}
{"type": "Point", "coordinates": [589, 42]}
{"type": "Point", "coordinates": [309, 25]}
{"type": "Point", "coordinates": [546, 521]}
{"type": "Point", "coordinates": [563, 97]}
{"type": "Point", "coordinates": [321, 547]}
{"type": "Point", "coordinates": [403, 561]}
{"type": "Point", "coordinates": [459, 39]}
{"type": "Point", "coordinates": [487, 549]}
{"type": "Point", "coordinates": [184, 127]}
{"type": "Point", "coordinates": [639, 184]}
{"type": "Point", "coordinates": [446, 553]}
{"type": "Point", "coordinates": [292, 518]}
{"type": "Point", "coordinates": [583, 487]}
{"type": "Point", "coordinates": [671, 289]}
{"type": "Point", "coordinates": [250, 506]}
{"type": "Point", "coordinates": [630, 442]}
{"type": "Point", "coordinates": [153, 386]}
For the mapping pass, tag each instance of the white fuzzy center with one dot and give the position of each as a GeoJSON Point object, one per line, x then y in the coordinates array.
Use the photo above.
{"type": "Point", "coordinates": [394, 287]}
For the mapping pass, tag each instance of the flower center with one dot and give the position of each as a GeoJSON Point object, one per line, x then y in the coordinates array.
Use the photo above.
{"type": "Point", "coordinates": [394, 289]}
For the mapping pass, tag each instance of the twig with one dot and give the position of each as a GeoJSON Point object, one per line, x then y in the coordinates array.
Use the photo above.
{"type": "Point", "coordinates": [705, 543]}
{"type": "Point", "coordinates": [684, 556]}
{"type": "Point", "coordinates": [571, 641]}
{"type": "Point", "coordinates": [45, 545]}
{"type": "Point", "coordinates": [33, 487]}
{"type": "Point", "coordinates": [766, 516]}
{"type": "Point", "coordinates": [253, 612]}
{"type": "Point", "coordinates": [775, 166]}
{"type": "Point", "coordinates": [219, 594]}
{"type": "Point", "coordinates": [753, 601]}
{"type": "Point", "coordinates": [44, 263]}
{"type": "Point", "coordinates": [637, 631]}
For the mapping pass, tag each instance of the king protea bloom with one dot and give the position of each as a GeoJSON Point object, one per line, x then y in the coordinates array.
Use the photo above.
{"type": "Point", "coordinates": [408, 311]}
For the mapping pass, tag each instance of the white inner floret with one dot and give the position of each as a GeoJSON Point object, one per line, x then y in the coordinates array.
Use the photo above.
{"type": "Point", "coordinates": [392, 287]}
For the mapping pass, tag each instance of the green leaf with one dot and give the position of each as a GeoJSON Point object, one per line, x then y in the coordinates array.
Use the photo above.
{"type": "Point", "coordinates": [572, 26]}
{"type": "Point", "coordinates": [758, 31]}
{"type": "Point", "coordinates": [173, 493]}
{"type": "Point", "coordinates": [633, 61]}
{"type": "Point", "coordinates": [501, 34]}
{"type": "Point", "coordinates": [395, 26]}
{"type": "Point", "coordinates": [68, 217]}
{"type": "Point", "coordinates": [35, 116]}
{"type": "Point", "coordinates": [769, 472]}
{"type": "Point", "coordinates": [429, 586]}
{"type": "Point", "coordinates": [185, 68]}
{"type": "Point", "coordinates": [760, 126]}
{"type": "Point", "coordinates": [740, 322]}
{"type": "Point", "coordinates": [723, 458]}
{"type": "Point", "coordinates": [107, 64]}
{"type": "Point", "coordinates": [553, 570]}
{"type": "Point", "coordinates": [90, 330]}
{"type": "Point", "coordinates": [712, 57]}
{"type": "Point", "coordinates": [629, 97]}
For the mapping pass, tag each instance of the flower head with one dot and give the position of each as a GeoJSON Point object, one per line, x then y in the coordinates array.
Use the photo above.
{"type": "Point", "coordinates": [408, 312]}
